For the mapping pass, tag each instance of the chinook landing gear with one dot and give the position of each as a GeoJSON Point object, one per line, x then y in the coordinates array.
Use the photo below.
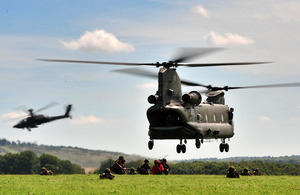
{"type": "Point", "coordinates": [150, 144]}
{"type": "Point", "coordinates": [181, 147]}
{"type": "Point", "coordinates": [224, 146]}
{"type": "Point", "coordinates": [198, 143]}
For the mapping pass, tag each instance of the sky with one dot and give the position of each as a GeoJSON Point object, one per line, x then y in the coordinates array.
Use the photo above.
{"type": "Point", "coordinates": [110, 108]}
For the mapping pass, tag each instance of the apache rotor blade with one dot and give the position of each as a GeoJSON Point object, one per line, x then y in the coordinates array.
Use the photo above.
{"type": "Point", "coordinates": [51, 104]}
{"type": "Point", "coordinates": [184, 54]}
{"type": "Point", "coordinates": [22, 108]}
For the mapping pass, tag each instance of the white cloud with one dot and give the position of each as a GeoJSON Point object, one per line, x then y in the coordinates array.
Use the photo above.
{"type": "Point", "coordinates": [13, 115]}
{"type": "Point", "coordinates": [201, 11]}
{"type": "Point", "coordinates": [147, 86]}
{"type": "Point", "coordinates": [228, 39]}
{"type": "Point", "coordinates": [264, 118]}
{"type": "Point", "coordinates": [98, 41]}
{"type": "Point", "coordinates": [87, 120]}
{"type": "Point", "coordinates": [298, 107]}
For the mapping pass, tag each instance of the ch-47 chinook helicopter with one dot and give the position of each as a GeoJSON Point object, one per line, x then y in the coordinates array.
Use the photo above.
{"type": "Point", "coordinates": [182, 117]}
{"type": "Point", "coordinates": [33, 120]}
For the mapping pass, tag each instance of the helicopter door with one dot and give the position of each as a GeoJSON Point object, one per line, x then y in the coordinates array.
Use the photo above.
{"type": "Point", "coordinates": [192, 115]}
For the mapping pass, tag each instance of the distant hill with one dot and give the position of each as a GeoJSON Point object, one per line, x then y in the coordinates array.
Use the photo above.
{"type": "Point", "coordinates": [88, 159]}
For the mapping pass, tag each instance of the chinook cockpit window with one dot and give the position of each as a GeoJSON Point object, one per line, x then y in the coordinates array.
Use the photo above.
{"type": "Point", "coordinates": [164, 119]}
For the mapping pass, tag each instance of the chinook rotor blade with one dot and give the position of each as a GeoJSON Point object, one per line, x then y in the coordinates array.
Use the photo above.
{"type": "Point", "coordinates": [222, 64]}
{"type": "Point", "coordinates": [184, 54]}
{"type": "Point", "coordinates": [262, 86]}
{"type": "Point", "coordinates": [146, 73]}
{"type": "Point", "coordinates": [137, 71]}
{"type": "Point", "coordinates": [157, 64]}
{"type": "Point", "coordinates": [98, 62]}
{"type": "Point", "coordinates": [181, 55]}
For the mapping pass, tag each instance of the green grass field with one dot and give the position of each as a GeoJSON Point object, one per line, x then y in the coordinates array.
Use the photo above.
{"type": "Point", "coordinates": [149, 184]}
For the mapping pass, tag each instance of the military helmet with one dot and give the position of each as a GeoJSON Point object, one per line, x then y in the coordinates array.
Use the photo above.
{"type": "Point", "coordinates": [231, 169]}
{"type": "Point", "coordinates": [122, 159]}
{"type": "Point", "coordinates": [107, 170]}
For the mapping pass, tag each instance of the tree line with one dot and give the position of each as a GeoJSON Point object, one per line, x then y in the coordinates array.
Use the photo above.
{"type": "Point", "coordinates": [221, 168]}
{"type": "Point", "coordinates": [216, 168]}
{"type": "Point", "coordinates": [27, 162]}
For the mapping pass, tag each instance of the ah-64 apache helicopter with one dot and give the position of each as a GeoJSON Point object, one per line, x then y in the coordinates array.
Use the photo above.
{"type": "Point", "coordinates": [177, 116]}
{"type": "Point", "coordinates": [33, 120]}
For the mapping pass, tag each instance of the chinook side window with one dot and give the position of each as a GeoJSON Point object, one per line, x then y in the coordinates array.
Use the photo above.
{"type": "Point", "coordinates": [222, 117]}
{"type": "Point", "coordinates": [206, 118]}
{"type": "Point", "coordinates": [199, 117]}
{"type": "Point", "coordinates": [215, 118]}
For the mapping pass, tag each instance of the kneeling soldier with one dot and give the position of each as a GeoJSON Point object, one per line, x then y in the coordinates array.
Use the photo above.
{"type": "Point", "coordinates": [107, 174]}
{"type": "Point", "coordinates": [232, 173]}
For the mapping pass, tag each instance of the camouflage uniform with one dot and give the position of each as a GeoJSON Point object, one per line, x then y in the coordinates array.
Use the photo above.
{"type": "Point", "coordinates": [232, 173]}
{"type": "Point", "coordinates": [132, 171]}
{"type": "Point", "coordinates": [107, 174]}
{"type": "Point", "coordinates": [166, 166]}
{"type": "Point", "coordinates": [119, 166]}
{"type": "Point", "coordinates": [144, 168]}
{"type": "Point", "coordinates": [257, 172]}
{"type": "Point", "coordinates": [46, 172]}
{"type": "Point", "coordinates": [246, 172]}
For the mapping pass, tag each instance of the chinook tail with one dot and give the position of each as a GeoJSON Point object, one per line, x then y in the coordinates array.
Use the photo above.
{"type": "Point", "coordinates": [68, 110]}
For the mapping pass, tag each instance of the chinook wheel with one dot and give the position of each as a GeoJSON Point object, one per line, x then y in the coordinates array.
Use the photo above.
{"type": "Point", "coordinates": [198, 143]}
{"type": "Point", "coordinates": [222, 147]}
{"type": "Point", "coordinates": [178, 148]}
{"type": "Point", "coordinates": [226, 147]}
{"type": "Point", "coordinates": [150, 144]}
{"type": "Point", "coordinates": [183, 148]}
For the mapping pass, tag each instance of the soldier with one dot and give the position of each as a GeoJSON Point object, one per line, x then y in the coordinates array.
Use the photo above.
{"type": "Point", "coordinates": [144, 169]}
{"type": "Point", "coordinates": [157, 169]}
{"type": "Point", "coordinates": [246, 172]}
{"type": "Point", "coordinates": [257, 172]}
{"type": "Point", "coordinates": [46, 172]}
{"type": "Point", "coordinates": [107, 174]}
{"type": "Point", "coordinates": [119, 166]}
{"type": "Point", "coordinates": [166, 166]}
{"type": "Point", "coordinates": [232, 173]}
{"type": "Point", "coordinates": [132, 171]}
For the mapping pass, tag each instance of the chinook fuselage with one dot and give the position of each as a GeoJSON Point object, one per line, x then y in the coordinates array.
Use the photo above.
{"type": "Point", "coordinates": [174, 116]}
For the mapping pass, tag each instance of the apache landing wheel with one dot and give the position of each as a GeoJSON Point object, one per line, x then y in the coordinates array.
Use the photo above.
{"type": "Point", "coordinates": [150, 144]}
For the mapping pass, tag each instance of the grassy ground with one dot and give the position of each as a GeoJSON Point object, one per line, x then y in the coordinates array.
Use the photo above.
{"type": "Point", "coordinates": [149, 184]}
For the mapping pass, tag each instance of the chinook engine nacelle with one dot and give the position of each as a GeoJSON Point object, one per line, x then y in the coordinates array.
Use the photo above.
{"type": "Point", "coordinates": [193, 98]}
{"type": "Point", "coordinates": [153, 99]}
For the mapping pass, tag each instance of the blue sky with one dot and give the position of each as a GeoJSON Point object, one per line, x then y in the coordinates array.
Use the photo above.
{"type": "Point", "coordinates": [110, 109]}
